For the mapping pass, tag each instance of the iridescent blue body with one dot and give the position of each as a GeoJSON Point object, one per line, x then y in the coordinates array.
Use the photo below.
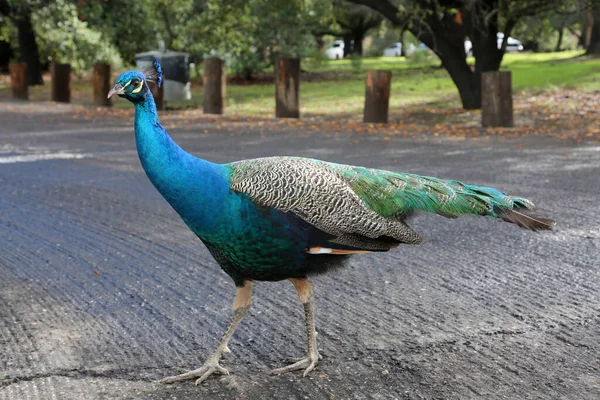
{"type": "Point", "coordinates": [285, 217]}
{"type": "Point", "coordinates": [249, 241]}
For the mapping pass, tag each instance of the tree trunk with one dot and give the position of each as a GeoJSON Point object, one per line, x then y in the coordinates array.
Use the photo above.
{"type": "Point", "coordinates": [358, 37]}
{"type": "Point", "coordinates": [320, 43]}
{"type": "Point", "coordinates": [466, 81]}
{"type": "Point", "coordinates": [348, 45]}
{"type": "Point", "coordinates": [401, 40]}
{"type": "Point", "coordinates": [29, 49]}
{"type": "Point", "coordinates": [168, 27]}
{"type": "Point", "coordinates": [560, 39]}
{"type": "Point", "coordinates": [587, 29]}
{"type": "Point", "coordinates": [594, 36]}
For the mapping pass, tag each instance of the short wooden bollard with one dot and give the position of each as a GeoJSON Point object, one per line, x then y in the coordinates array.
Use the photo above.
{"type": "Point", "coordinates": [18, 81]}
{"type": "Point", "coordinates": [61, 82]}
{"type": "Point", "coordinates": [377, 96]}
{"type": "Point", "coordinates": [496, 99]}
{"type": "Point", "coordinates": [287, 88]}
{"type": "Point", "coordinates": [214, 86]}
{"type": "Point", "coordinates": [102, 81]}
{"type": "Point", "coordinates": [159, 93]}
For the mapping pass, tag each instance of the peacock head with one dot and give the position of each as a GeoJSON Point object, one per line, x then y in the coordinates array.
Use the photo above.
{"type": "Point", "coordinates": [133, 85]}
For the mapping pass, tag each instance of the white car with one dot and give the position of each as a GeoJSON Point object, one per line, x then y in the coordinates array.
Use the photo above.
{"type": "Point", "coordinates": [336, 50]}
{"type": "Point", "coordinates": [512, 44]}
{"type": "Point", "coordinates": [394, 50]}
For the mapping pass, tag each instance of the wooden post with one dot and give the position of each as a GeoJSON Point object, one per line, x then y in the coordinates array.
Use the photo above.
{"type": "Point", "coordinates": [287, 88]}
{"type": "Point", "coordinates": [214, 84]}
{"type": "Point", "coordinates": [159, 93]}
{"type": "Point", "coordinates": [61, 82]}
{"type": "Point", "coordinates": [18, 80]}
{"type": "Point", "coordinates": [377, 96]}
{"type": "Point", "coordinates": [496, 99]}
{"type": "Point", "coordinates": [102, 81]}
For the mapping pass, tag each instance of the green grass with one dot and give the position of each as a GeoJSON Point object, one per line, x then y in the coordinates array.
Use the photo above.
{"type": "Point", "coordinates": [334, 87]}
{"type": "Point", "coordinates": [546, 73]}
{"type": "Point", "coordinates": [335, 97]}
{"type": "Point", "coordinates": [411, 84]}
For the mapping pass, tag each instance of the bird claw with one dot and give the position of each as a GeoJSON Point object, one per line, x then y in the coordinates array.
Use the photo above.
{"type": "Point", "coordinates": [201, 373]}
{"type": "Point", "coordinates": [293, 360]}
{"type": "Point", "coordinates": [210, 371]}
{"type": "Point", "coordinates": [308, 364]}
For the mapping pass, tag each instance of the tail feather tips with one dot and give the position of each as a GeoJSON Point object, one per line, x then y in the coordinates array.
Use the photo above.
{"type": "Point", "coordinates": [525, 218]}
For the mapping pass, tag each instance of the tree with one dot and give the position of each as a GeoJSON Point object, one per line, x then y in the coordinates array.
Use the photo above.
{"type": "Point", "coordinates": [593, 42]}
{"type": "Point", "coordinates": [63, 36]}
{"type": "Point", "coordinates": [19, 13]}
{"type": "Point", "coordinates": [443, 25]}
{"type": "Point", "coordinates": [251, 34]}
{"type": "Point", "coordinates": [547, 32]}
{"type": "Point", "coordinates": [355, 21]}
{"type": "Point", "coordinates": [131, 26]}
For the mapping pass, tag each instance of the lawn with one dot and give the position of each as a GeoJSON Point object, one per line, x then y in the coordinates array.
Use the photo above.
{"type": "Point", "coordinates": [337, 86]}
{"type": "Point", "coordinates": [342, 86]}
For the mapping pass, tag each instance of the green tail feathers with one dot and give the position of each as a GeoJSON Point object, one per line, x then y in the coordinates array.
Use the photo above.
{"type": "Point", "coordinates": [398, 195]}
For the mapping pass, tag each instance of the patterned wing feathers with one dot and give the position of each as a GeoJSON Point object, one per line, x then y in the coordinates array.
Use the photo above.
{"type": "Point", "coordinates": [319, 195]}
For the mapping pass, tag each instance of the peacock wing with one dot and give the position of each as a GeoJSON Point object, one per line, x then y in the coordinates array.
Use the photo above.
{"type": "Point", "coordinates": [318, 193]}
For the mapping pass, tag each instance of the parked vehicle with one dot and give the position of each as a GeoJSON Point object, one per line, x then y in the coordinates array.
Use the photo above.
{"type": "Point", "coordinates": [394, 50]}
{"type": "Point", "coordinates": [336, 50]}
{"type": "Point", "coordinates": [512, 45]}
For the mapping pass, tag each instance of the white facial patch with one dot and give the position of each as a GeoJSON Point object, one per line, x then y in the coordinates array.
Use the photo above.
{"type": "Point", "coordinates": [138, 87]}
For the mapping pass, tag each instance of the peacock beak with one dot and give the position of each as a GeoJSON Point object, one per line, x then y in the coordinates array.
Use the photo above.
{"type": "Point", "coordinates": [118, 89]}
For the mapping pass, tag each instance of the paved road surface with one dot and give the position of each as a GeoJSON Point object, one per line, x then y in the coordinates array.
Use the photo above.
{"type": "Point", "coordinates": [103, 289]}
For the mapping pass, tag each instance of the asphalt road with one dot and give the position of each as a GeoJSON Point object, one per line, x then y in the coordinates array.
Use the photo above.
{"type": "Point", "coordinates": [103, 289]}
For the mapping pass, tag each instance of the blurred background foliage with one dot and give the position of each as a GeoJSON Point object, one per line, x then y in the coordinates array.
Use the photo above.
{"type": "Point", "coordinates": [251, 34]}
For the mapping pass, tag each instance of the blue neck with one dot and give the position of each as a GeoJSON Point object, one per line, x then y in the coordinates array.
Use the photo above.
{"type": "Point", "coordinates": [161, 157]}
{"type": "Point", "coordinates": [188, 183]}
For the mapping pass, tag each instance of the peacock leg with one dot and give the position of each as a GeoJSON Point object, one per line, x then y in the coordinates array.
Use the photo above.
{"type": "Point", "coordinates": [305, 294]}
{"type": "Point", "coordinates": [241, 305]}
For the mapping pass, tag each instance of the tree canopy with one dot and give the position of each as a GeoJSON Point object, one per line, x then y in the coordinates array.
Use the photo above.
{"type": "Point", "coordinates": [250, 34]}
{"type": "Point", "coordinates": [444, 25]}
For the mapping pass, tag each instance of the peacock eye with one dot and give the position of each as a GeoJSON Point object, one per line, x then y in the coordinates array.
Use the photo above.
{"type": "Point", "coordinates": [135, 82]}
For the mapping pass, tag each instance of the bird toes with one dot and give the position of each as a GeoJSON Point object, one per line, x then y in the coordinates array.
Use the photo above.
{"type": "Point", "coordinates": [210, 371]}
{"type": "Point", "coordinates": [201, 374]}
{"type": "Point", "coordinates": [307, 364]}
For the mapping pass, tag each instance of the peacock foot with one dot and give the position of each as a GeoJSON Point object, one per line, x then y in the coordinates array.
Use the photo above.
{"type": "Point", "coordinates": [210, 367]}
{"type": "Point", "coordinates": [307, 363]}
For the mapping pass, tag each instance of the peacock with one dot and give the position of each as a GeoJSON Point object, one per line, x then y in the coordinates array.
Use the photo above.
{"type": "Point", "coordinates": [276, 218]}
